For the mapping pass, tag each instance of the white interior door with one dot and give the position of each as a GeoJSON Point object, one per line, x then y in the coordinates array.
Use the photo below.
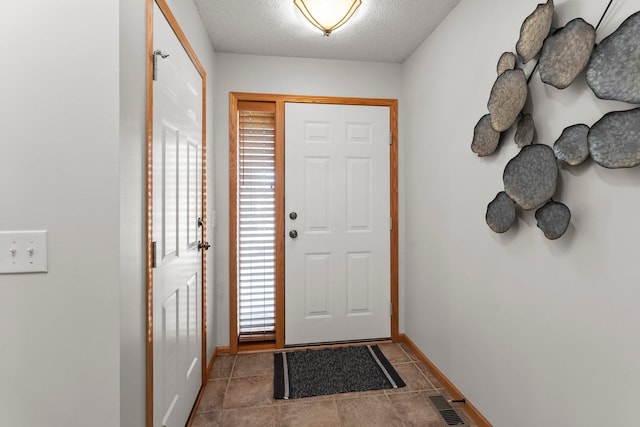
{"type": "Point", "coordinates": [177, 205]}
{"type": "Point", "coordinates": [337, 200]}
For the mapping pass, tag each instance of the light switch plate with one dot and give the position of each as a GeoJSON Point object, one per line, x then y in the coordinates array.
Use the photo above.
{"type": "Point", "coordinates": [23, 251]}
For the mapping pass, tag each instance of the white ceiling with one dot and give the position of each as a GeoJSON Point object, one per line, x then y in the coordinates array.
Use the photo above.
{"type": "Point", "coordinates": [381, 30]}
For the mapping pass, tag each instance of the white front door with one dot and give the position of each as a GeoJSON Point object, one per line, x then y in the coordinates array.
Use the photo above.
{"type": "Point", "coordinates": [337, 221]}
{"type": "Point", "coordinates": [177, 205]}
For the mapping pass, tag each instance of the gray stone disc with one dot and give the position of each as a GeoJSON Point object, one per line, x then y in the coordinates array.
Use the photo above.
{"type": "Point", "coordinates": [501, 213]}
{"type": "Point", "coordinates": [524, 131]}
{"type": "Point", "coordinates": [553, 219]}
{"type": "Point", "coordinates": [534, 30]}
{"type": "Point", "coordinates": [614, 140]}
{"type": "Point", "coordinates": [508, 96]}
{"type": "Point", "coordinates": [614, 68]}
{"type": "Point", "coordinates": [485, 139]}
{"type": "Point", "coordinates": [506, 62]}
{"type": "Point", "coordinates": [572, 147]}
{"type": "Point", "coordinates": [531, 177]}
{"type": "Point", "coordinates": [566, 53]}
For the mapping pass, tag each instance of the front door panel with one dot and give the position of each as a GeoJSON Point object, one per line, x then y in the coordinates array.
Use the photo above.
{"type": "Point", "coordinates": [337, 250]}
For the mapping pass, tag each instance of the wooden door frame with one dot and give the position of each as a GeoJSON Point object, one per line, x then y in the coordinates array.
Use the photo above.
{"type": "Point", "coordinates": [280, 100]}
{"type": "Point", "coordinates": [173, 23]}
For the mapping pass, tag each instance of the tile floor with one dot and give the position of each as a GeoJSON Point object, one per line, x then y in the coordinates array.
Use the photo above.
{"type": "Point", "coordinates": [240, 393]}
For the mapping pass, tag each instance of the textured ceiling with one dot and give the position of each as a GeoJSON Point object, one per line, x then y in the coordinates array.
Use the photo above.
{"type": "Point", "coordinates": [381, 30]}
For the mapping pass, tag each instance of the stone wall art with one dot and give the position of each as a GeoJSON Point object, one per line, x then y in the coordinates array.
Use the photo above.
{"type": "Point", "coordinates": [612, 72]}
{"type": "Point", "coordinates": [531, 177]}
{"type": "Point", "coordinates": [485, 138]}
{"type": "Point", "coordinates": [614, 68]}
{"type": "Point", "coordinates": [508, 95]}
{"type": "Point", "coordinates": [614, 140]}
{"type": "Point", "coordinates": [566, 52]}
{"type": "Point", "coordinates": [534, 30]}
{"type": "Point", "coordinates": [572, 147]}
{"type": "Point", "coordinates": [501, 213]}
{"type": "Point", "coordinates": [553, 219]}
{"type": "Point", "coordinates": [506, 62]}
{"type": "Point", "coordinates": [524, 131]}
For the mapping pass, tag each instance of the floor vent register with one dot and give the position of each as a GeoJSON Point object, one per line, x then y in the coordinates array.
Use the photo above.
{"type": "Point", "coordinates": [448, 414]}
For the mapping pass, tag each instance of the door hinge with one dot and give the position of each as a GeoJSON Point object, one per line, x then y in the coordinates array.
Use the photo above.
{"type": "Point", "coordinates": [390, 138]}
{"type": "Point", "coordinates": [390, 223]}
{"type": "Point", "coordinates": [390, 309]}
{"type": "Point", "coordinates": [153, 254]}
{"type": "Point", "coordinates": [155, 62]}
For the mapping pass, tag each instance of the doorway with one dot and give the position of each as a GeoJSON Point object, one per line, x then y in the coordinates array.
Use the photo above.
{"type": "Point", "coordinates": [279, 103]}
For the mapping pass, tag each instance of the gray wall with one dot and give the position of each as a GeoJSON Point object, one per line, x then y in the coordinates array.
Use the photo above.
{"type": "Point", "coordinates": [534, 332]}
{"type": "Point", "coordinates": [59, 335]}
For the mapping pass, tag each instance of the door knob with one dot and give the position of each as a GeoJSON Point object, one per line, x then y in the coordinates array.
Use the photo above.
{"type": "Point", "coordinates": [204, 245]}
{"type": "Point", "coordinates": [293, 234]}
{"type": "Point", "coordinates": [293, 215]}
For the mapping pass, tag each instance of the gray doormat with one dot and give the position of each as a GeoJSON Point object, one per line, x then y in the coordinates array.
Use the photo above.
{"type": "Point", "coordinates": [308, 373]}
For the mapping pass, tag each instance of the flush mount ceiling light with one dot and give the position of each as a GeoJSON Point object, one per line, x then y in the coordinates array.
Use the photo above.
{"type": "Point", "coordinates": [327, 15]}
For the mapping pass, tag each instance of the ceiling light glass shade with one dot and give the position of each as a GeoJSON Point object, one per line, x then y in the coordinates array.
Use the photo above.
{"type": "Point", "coordinates": [327, 15]}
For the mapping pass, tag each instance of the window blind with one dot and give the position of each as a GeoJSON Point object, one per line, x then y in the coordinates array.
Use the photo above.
{"type": "Point", "coordinates": [256, 225]}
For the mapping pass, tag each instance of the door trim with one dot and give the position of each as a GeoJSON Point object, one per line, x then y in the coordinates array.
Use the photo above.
{"type": "Point", "coordinates": [173, 23]}
{"type": "Point", "coordinates": [280, 100]}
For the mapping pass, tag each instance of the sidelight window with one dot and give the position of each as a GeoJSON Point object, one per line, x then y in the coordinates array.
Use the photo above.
{"type": "Point", "coordinates": [256, 216]}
